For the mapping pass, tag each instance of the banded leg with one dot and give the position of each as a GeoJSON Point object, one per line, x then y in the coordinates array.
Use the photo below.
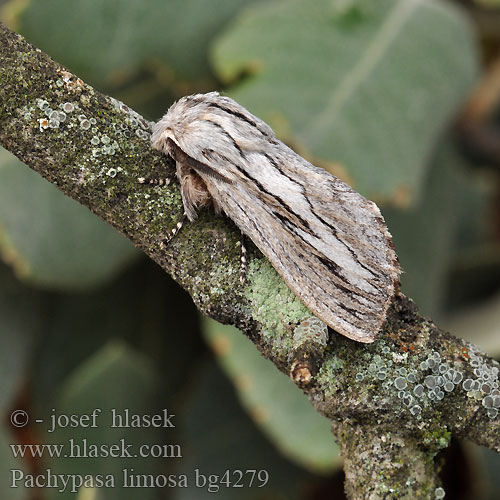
{"type": "Point", "coordinates": [175, 230]}
{"type": "Point", "coordinates": [154, 181]}
{"type": "Point", "coordinates": [243, 260]}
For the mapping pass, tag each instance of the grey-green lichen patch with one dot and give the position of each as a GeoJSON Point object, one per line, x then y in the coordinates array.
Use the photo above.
{"type": "Point", "coordinates": [439, 493]}
{"type": "Point", "coordinates": [484, 385]}
{"type": "Point", "coordinates": [310, 331]}
{"type": "Point", "coordinates": [327, 374]}
{"type": "Point", "coordinates": [420, 383]}
{"type": "Point", "coordinates": [274, 305]}
{"type": "Point", "coordinates": [98, 142]}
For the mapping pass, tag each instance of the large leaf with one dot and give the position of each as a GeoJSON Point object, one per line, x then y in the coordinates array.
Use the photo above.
{"type": "Point", "coordinates": [116, 378]}
{"type": "Point", "coordinates": [424, 235]}
{"type": "Point", "coordinates": [103, 39]}
{"type": "Point", "coordinates": [21, 317]}
{"type": "Point", "coordinates": [476, 264]}
{"type": "Point", "coordinates": [276, 404]}
{"type": "Point", "coordinates": [369, 85]}
{"type": "Point", "coordinates": [219, 439]}
{"type": "Point", "coordinates": [51, 240]}
{"type": "Point", "coordinates": [140, 308]}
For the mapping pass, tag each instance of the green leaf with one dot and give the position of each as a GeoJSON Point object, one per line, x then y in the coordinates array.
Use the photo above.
{"type": "Point", "coordinates": [277, 405]}
{"type": "Point", "coordinates": [140, 308]}
{"type": "Point", "coordinates": [220, 438]}
{"type": "Point", "coordinates": [369, 85]}
{"type": "Point", "coordinates": [476, 264]}
{"type": "Point", "coordinates": [104, 40]}
{"type": "Point", "coordinates": [424, 235]}
{"type": "Point", "coordinates": [51, 240]}
{"type": "Point", "coordinates": [118, 378]}
{"type": "Point", "coordinates": [21, 316]}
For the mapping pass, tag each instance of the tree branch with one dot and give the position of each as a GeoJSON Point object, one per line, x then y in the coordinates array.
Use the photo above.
{"type": "Point", "coordinates": [393, 404]}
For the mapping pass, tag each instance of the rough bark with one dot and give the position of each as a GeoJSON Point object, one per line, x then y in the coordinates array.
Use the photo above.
{"type": "Point", "coordinates": [393, 404]}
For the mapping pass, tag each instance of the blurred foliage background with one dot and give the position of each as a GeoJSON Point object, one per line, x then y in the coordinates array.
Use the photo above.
{"type": "Point", "coordinates": [400, 98]}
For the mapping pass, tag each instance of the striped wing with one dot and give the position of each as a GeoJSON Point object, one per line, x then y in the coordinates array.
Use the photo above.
{"type": "Point", "coordinates": [328, 242]}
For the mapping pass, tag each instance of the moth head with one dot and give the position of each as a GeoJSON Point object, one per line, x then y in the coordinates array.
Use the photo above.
{"type": "Point", "coordinates": [179, 119]}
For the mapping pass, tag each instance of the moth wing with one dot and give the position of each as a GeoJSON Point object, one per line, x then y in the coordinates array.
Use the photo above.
{"type": "Point", "coordinates": [329, 243]}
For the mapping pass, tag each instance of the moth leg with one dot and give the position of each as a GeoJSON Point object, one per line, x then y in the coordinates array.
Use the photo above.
{"type": "Point", "coordinates": [243, 260]}
{"type": "Point", "coordinates": [154, 181]}
{"type": "Point", "coordinates": [175, 231]}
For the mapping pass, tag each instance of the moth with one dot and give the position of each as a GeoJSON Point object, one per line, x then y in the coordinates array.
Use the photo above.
{"type": "Point", "coordinates": [329, 243]}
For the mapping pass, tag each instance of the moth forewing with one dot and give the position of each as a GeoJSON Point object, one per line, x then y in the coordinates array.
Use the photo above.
{"type": "Point", "coordinates": [329, 243]}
